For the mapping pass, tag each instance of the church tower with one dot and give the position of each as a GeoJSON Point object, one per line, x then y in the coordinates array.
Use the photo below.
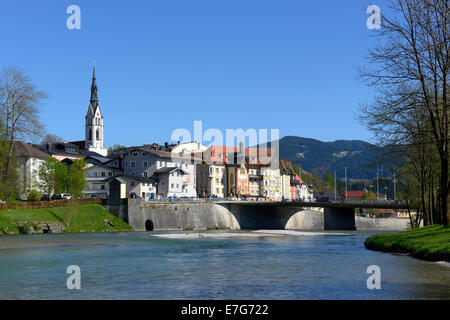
{"type": "Point", "coordinates": [94, 123]}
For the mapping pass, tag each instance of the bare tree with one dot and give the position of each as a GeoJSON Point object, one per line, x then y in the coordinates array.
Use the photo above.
{"type": "Point", "coordinates": [51, 138]}
{"type": "Point", "coordinates": [412, 74]}
{"type": "Point", "coordinates": [19, 114]}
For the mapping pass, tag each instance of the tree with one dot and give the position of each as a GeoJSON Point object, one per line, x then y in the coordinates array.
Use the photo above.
{"type": "Point", "coordinates": [412, 76]}
{"type": "Point", "coordinates": [77, 177]}
{"type": "Point", "coordinates": [329, 180]}
{"type": "Point", "coordinates": [9, 187]}
{"type": "Point", "coordinates": [114, 148]}
{"type": "Point", "coordinates": [47, 176]}
{"type": "Point", "coordinates": [76, 181]}
{"type": "Point", "coordinates": [19, 115]}
{"type": "Point", "coordinates": [51, 138]}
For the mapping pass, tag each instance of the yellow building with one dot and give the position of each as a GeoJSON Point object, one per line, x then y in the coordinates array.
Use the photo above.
{"type": "Point", "coordinates": [211, 180]}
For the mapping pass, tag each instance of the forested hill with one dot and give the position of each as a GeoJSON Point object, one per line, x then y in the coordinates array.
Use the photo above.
{"type": "Point", "coordinates": [361, 158]}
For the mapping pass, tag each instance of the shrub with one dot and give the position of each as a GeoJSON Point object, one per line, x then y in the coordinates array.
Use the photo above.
{"type": "Point", "coordinates": [34, 195]}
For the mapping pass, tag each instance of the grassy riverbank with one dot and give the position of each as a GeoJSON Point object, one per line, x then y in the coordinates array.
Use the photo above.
{"type": "Point", "coordinates": [81, 218]}
{"type": "Point", "coordinates": [429, 243]}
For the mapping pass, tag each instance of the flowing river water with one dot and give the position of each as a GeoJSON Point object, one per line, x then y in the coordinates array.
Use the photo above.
{"type": "Point", "coordinates": [212, 265]}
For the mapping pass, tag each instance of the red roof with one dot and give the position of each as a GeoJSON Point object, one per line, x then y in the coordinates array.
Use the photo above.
{"type": "Point", "coordinates": [354, 194]}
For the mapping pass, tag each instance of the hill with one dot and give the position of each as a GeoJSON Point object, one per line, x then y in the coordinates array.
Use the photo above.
{"type": "Point", "coordinates": [361, 158]}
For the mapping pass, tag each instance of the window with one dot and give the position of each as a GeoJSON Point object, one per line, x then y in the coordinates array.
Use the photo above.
{"type": "Point", "coordinates": [103, 174]}
{"type": "Point", "coordinates": [110, 174]}
{"type": "Point", "coordinates": [178, 185]}
{"type": "Point", "coordinates": [132, 184]}
{"type": "Point", "coordinates": [163, 183]}
{"type": "Point", "coordinates": [97, 134]}
{"type": "Point", "coordinates": [133, 164]}
{"type": "Point", "coordinates": [116, 163]}
{"type": "Point", "coordinates": [126, 164]}
{"type": "Point", "coordinates": [217, 180]}
{"type": "Point", "coordinates": [145, 174]}
{"type": "Point", "coordinates": [144, 153]}
{"type": "Point", "coordinates": [90, 134]}
{"type": "Point", "coordinates": [145, 164]}
{"type": "Point", "coordinates": [103, 187]}
{"type": "Point", "coordinates": [217, 170]}
{"type": "Point", "coordinates": [135, 154]}
{"type": "Point", "coordinates": [171, 185]}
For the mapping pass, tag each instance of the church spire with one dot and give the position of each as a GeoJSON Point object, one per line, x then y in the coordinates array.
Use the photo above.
{"type": "Point", "coordinates": [94, 97]}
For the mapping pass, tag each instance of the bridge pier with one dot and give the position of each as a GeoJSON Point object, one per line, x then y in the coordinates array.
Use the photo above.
{"type": "Point", "coordinates": [339, 218]}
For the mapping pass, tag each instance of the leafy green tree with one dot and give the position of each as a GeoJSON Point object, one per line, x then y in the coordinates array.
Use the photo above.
{"type": "Point", "coordinates": [114, 148]}
{"type": "Point", "coordinates": [369, 196]}
{"type": "Point", "coordinates": [47, 180]}
{"type": "Point", "coordinates": [329, 180]}
{"type": "Point", "coordinates": [76, 178]}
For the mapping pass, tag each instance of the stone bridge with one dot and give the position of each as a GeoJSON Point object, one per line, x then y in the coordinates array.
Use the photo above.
{"type": "Point", "coordinates": [248, 215]}
{"type": "Point", "coordinates": [275, 215]}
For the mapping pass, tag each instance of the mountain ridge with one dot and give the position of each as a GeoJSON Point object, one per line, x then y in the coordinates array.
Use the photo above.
{"type": "Point", "coordinates": [360, 157]}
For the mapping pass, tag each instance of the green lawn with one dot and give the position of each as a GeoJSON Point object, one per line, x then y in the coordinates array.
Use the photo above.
{"type": "Point", "coordinates": [428, 243]}
{"type": "Point", "coordinates": [82, 218]}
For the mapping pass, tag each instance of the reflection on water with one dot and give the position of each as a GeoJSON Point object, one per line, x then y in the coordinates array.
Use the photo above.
{"type": "Point", "coordinates": [212, 265]}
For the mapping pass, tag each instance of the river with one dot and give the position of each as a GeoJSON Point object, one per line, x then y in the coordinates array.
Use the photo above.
{"type": "Point", "coordinates": [212, 265]}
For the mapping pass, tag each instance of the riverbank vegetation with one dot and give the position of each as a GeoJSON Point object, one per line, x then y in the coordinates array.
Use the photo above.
{"type": "Point", "coordinates": [410, 113]}
{"type": "Point", "coordinates": [67, 219]}
{"type": "Point", "coordinates": [428, 243]}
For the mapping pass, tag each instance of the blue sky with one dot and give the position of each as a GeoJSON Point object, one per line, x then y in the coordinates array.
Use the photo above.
{"type": "Point", "coordinates": [285, 64]}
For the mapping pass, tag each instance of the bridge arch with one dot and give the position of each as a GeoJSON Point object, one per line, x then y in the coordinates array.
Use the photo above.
{"type": "Point", "coordinates": [149, 225]}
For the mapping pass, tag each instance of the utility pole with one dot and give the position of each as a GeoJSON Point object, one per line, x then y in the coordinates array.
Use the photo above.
{"type": "Point", "coordinates": [345, 183]}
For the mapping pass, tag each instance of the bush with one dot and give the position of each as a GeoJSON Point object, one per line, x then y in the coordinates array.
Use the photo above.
{"type": "Point", "coordinates": [34, 195]}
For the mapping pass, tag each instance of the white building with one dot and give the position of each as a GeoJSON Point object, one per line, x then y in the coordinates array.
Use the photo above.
{"type": "Point", "coordinates": [97, 176]}
{"type": "Point", "coordinates": [29, 160]}
{"type": "Point", "coordinates": [152, 161]}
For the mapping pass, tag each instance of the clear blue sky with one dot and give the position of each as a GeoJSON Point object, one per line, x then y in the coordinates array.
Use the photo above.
{"type": "Point", "coordinates": [285, 64]}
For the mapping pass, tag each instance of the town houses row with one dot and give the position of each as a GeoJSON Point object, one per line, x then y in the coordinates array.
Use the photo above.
{"type": "Point", "coordinates": [172, 170]}
{"type": "Point", "coordinates": [182, 170]}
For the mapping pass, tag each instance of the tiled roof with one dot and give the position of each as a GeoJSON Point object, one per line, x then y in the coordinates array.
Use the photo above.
{"type": "Point", "coordinates": [22, 149]}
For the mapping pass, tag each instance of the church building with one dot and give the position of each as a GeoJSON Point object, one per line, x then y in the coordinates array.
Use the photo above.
{"type": "Point", "coordinates": [93, 141]}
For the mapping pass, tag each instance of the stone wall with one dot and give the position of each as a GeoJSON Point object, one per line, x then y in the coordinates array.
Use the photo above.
{"type": "Point", "coordinates": [363, 223]}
